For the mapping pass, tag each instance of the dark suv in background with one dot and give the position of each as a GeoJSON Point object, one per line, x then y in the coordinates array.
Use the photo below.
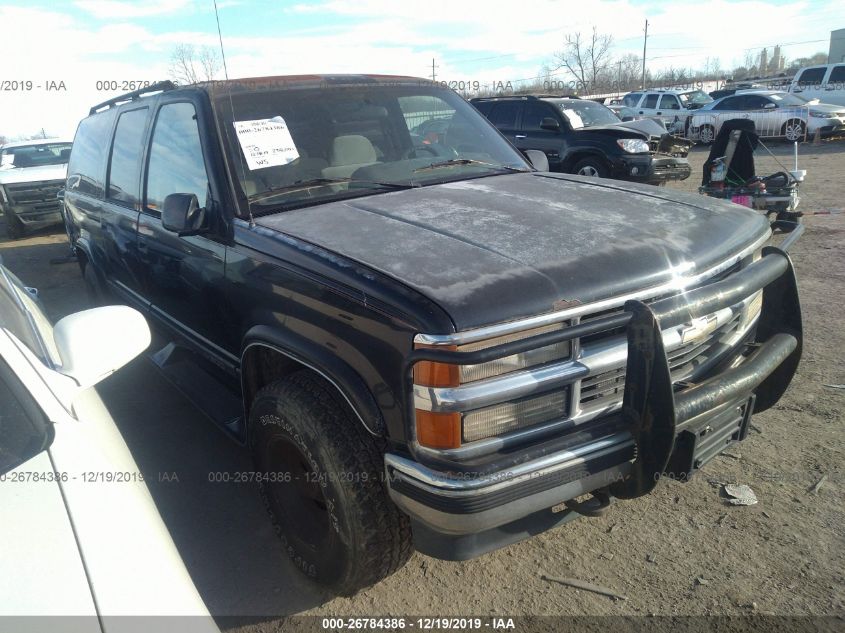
{"type": "Point", "coordinates": [419, 336]}
{"type": "Point", "coordinates": [586, 138]}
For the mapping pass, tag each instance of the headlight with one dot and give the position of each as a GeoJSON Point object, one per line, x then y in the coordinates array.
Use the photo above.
{"type": "Point", "coordinates": [632, 145]}
{"type": "Point", "coordinates": [821, 115]}
{"type": "Point", "coordinates": [510, 416]}
{"type": "Point", "coordinates": [451, 429]}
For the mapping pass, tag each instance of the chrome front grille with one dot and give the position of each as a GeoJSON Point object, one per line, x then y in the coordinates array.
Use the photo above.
{"type": "Point", "coordinates": [41, 195]}
{"type": "Point", "coordinates": [606, 388]}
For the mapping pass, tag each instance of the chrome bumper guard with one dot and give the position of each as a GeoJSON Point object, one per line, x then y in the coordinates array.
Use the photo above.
{"type": "Point", "coordinates": [660, 429]}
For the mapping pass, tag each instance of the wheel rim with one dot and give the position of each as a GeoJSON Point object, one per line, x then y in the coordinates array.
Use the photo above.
{"type": "Point", "coordinates": [794, 130]}
{"type": "Point", "coordinates": [588, 170]}
{"type": "Point", "coordinates": [302, 494]}
{"type": "Point", "coordinates": [706, 134]}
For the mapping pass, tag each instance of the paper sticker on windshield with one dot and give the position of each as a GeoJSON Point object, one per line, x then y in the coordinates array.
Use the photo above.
{"type": "Point", "coordinates": [574, 118]}
{"type": "Point", "coordinates": [266, 142]}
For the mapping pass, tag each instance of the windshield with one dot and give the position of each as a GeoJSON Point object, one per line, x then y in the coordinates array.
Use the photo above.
{"type": "Point", "coordinates": [35, 155]}
{"type": "Point", "coordinates": [695, 98]}
{"type": "Point", "coordinates": [587, 113]}
{"type": "Point", "coordinates": [787, 99]}
{"type": "Point", "coordinates": [300, 146]}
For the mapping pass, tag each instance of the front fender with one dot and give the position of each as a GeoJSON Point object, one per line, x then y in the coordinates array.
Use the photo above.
{"type": "Point", "coordinates": [322, 361]}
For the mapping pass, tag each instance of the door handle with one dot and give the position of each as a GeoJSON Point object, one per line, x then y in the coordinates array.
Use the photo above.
{"type": "Point", "coordinates": [520, 136]}
{"type": "Point", "coordinates": [659, 113]}
{"type": "Point", "coordinates": [641, 112]}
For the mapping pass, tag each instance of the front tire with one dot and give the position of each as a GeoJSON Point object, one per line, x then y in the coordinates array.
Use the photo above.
{"type": "Point", "coordinates": [322, 483]}
{"type": "Point", "coordinates": [594, 167]}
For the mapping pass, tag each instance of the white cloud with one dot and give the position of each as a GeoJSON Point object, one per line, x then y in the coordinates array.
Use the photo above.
{"type": "Point", "coordinates": [474, 40]}
{"type": "Point", "coordinates": [119, 9]}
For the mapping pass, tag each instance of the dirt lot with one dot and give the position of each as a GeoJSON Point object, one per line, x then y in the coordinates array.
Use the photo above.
{"type": "Point", "coordinates": [679, 551]}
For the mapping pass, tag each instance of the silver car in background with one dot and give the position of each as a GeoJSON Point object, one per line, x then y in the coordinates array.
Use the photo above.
{"type": "Point", "coordinates": [776, 114]}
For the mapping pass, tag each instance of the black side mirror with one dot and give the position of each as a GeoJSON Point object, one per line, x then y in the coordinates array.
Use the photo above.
{"type": "Point", "coordinates": [182, 214]}
{"type": "Point", "coordinates": [627, 118]}
{"type": "Point", "coordinates": [549, 123]}
{"type": "Point", "coordinates": [538, 159]}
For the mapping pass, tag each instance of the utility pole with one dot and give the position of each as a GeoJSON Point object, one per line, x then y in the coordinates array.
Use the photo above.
{"type": "Point", "coordinates": [433, 74]}
{"type": "Point", "coordinates": [645, 40]}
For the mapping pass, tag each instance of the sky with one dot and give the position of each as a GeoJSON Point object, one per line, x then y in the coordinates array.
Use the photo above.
{"type": "Point", "coordinates": [65, 48]}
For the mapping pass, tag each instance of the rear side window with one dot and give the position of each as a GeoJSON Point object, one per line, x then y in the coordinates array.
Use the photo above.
{"type": "Point", "coordinates": [87, 166]}
{"type": "Point", "coordinates": [125, 162]}
{"type": "Point", "coordinates": [176, 162]}
{"type": "Point", "coordinates": [650, 101]}
{"type": "Point", "coordinates": [837, 75]}
{"type": "Point", "coordinates": [504, 114]}
{"type": "Point", "coordinates": [812, 76]}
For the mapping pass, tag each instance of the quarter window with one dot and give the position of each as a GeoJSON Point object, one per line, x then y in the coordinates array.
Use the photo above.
{"type": "Point", "coordinates": [176, 162]}
{"type": "Point", "coordinates": [87, 164]}
{"type": "Point", "coordinates": [125, 162]}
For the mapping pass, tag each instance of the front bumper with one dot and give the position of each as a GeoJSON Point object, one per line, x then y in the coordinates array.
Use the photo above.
{"type": "Point", "coordinates": [652, 168]}
{"type": "Point", "coordinates": [35, 217]}
{"type": "Point", "coordinates": [662, 428]}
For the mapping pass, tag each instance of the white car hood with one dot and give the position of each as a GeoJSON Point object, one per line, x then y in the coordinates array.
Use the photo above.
{"type": "Point", "coordinates": [11, 175]}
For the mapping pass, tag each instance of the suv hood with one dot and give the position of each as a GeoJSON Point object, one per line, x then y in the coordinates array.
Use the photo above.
{"type": "Point", "coordinates": [32, 174]}
{"type": "Point", "coordinates": [503, 247]}
{"type": "Point", "coordinates": [618, 131]}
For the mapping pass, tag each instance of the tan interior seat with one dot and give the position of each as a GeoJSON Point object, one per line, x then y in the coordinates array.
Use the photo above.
{"type": "Point", "coordinates": [349, 153]}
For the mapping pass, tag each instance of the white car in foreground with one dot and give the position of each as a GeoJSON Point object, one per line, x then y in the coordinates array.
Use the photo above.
{"type": "Point", "coordinates": [80, 533]}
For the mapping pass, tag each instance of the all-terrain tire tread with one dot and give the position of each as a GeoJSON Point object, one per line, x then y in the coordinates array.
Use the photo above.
{"type": "Point", "coordinates": [386, 543]}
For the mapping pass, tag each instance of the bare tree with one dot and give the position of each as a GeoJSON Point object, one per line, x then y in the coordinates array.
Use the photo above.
{"type": "Point", "coordinates": [190, 65]}
{"type": "Point", "coordinates": [586, 58]}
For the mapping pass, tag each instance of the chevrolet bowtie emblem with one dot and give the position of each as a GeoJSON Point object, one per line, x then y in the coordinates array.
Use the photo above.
{"type": "Point", "coordinates": [697, 328]}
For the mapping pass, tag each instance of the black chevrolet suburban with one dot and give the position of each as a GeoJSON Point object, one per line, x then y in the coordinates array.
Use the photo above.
{"type": "Point", "coordinates": [586, 138]}
{"type": "Point", "coordinates": [423, 341]}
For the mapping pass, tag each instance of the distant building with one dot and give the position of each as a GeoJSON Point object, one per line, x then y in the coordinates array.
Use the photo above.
{"type": "Point", "coordinates": [763, 66]}
{"type": "Point", "coordinates": [777, 63]}
{"type": "Point", "coordinates": [837, 47]}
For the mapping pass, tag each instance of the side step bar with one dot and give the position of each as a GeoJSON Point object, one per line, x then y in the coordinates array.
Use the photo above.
{"type": "Point", "coordinates": [210, 394]}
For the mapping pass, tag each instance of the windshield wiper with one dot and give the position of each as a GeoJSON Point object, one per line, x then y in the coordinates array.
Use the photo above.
{"type": "Point", "coordinates": [302, 185]}
{"type": "Point", "coordinates": [467, 161]}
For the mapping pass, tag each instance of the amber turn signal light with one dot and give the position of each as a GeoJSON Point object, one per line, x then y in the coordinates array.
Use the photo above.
{"type": "Point", "coordinates": [429, 373]}
{"type": "Point", "coordinates": [438, 430]}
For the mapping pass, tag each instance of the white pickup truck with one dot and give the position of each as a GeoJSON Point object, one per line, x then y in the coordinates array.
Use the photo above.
{"type": "Point", "coordinates": [31, 174]}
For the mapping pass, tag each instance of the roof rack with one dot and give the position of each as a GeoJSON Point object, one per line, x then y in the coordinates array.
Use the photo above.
{"type": "Point", "coordinates": [136, 94]}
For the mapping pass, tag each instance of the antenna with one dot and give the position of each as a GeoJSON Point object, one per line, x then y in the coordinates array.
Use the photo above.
{"type": "Point", "coordinates": [231, 106]}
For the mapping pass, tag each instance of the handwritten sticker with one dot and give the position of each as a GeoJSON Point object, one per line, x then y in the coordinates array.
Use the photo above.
{"type": "Point", "coordinates": [266, 142]}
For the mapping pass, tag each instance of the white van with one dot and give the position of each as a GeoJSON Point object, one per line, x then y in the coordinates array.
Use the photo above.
{"type": "Point", "coordinates": [825, 82]}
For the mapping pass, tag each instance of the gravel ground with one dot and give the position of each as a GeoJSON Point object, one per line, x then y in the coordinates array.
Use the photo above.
{"type": "Point", "coordinates": [678, 551]}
